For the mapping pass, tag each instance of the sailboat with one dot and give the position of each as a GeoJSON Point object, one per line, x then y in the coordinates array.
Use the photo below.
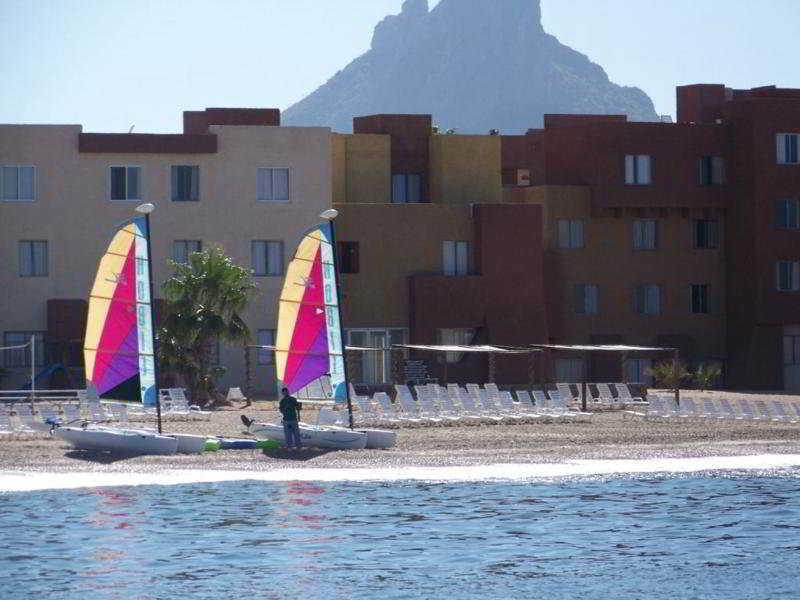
{"type": "Point", "coordinates": [118, 346]}
{"type": "Point", "coordinates": [309, 346]}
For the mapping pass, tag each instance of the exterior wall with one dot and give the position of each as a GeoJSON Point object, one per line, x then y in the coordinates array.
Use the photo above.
{"type": "Point", "coordinates": [362, 169]}
{"type": "Point", "coordinates": [72, 211]}
{"type": "Point", "coordinates": [465, 169]}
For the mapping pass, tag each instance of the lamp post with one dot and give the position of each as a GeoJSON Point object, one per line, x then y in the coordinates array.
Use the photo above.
{"type": "Point", "coordinates": [145, 210]}
{"type": "Point", "coordinates": [330, 216]}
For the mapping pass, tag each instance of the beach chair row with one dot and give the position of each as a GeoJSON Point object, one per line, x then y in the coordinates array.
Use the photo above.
{"type": "Point", "coordinates": [741, 409]}
{"type": "Point", "coordinates": [22, 418]}
{"type": "Point", "coordinates": [434, 404]}
{"type": "Point", "coordinates": [608, 394]}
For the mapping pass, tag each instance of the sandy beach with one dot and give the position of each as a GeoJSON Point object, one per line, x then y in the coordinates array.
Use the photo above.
{"type": "Point", "coordinates": [609, 434]}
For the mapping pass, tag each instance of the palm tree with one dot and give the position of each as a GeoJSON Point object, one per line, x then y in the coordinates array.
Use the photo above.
{"type": "Point", "coordinates": [204, 300]}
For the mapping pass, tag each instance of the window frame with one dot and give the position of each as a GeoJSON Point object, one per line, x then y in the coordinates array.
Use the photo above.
{"type": "Point", "coordinates": [782, 145]}
{"type": "Point", "coordinates": [573, 227]}
{"type": "Point", "coordinates": [585, 307]}
{"type": "Point", "coordinates": [712, 241]}
{"type": "Point", "coordinates": [266, 258]}
{"type": "Point", "coordinates": [788, 202]}
{"type": "Point", "coordinates": [406, 178]}
{"type": "Point", "coordinates": [645, 307]}
{"type": "Point", "coordinates": [34, 183]}
{"type": "Point", "coordinates": [712, 165]}
{"type": "Point", "coordinates": [270, 360]}
{"type": "Point", "coordinates": [636, 237]}
{"type": "Point", "coordinates": [460, 268]}
{"type": "Point", "coordinates": [141, 183]}
{"type": "Point", "coordinates": [463, 333]}
{"type": "Point", "coordinates": [794, 276]}
{"type": "Point", "coordinates": [705, 303]}
{"type": "Point", "coordinates": [635, 171]}
{"type": "Point", "coordinates": [185, 244]}
{"type": "Point", "coordinates": [272, 170]}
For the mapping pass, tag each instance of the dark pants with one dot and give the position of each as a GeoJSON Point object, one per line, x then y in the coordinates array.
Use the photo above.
{"type": "Point", "coordinates": [291, 433]}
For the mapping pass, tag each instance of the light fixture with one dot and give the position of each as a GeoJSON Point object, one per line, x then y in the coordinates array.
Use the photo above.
{"type": "Point", "coordinates": [329, 214]}
{"type": "Point", "coordinates": [146, 208]}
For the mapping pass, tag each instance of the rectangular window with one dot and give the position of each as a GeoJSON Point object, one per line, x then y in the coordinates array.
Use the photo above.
{"type": "Point", "coordinates": [586, 297]}
{"type": "Point", "coordinates": [181, 249]}
{"type": "Point", "coordinates": [787, 147]}
{"type": "Point", "coordinates": [267, 258]}
{"type": "Point", "coordinates": [21, 357]}
{"type": "Point", "coordinates": [788, 276]}
{"type": "Point", "coordinates": [645, 234]}
{"type": "Point", "coordinates": [699, 298]}
{"type": "Point", "coordinates": [33, 258]}
{"type": "Point", "coordinates": [570, 233]}
{"type": "Point", "coordinates": [637, 169]}
{"type": "Point", "coordinates": [712, 170]}
{"type": "Point", "coordinates": [406, 188]}
{"type": "Point", "coordinates": [17, 183]}
{"type": "Point", "coordinates": [637, 370]}
{"type": "Point", "coordinates": [185, 183]}
{"type": "Point", "coordinates": [348, 257]}
{"type": "Point", "coordinates": [455, 258]}
{"type": "Point", "coordinates": [266, 337]}
{"type": "Point", "coordinates": [706, 233]}
{"type": "Point", "coordinates": [787, 214]}
{"type": "Point", "coordinates": [569, 370]}
{"type": "Point", "coordinates": [791, 349]}
{"type": "Point", "coordinates": [273, 184]}
{"type": "Point", "coordinates": [126, 183]}
{"type": "Point", "coordinates": [648, 299]}
{"type": "Point", "coordinates": [455, 337]}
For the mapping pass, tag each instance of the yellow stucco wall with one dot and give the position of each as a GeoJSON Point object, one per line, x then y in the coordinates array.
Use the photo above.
{"type": "Point", "coordinates": [361, 168]}
{"type": "Point", "coordinates": [465, 169]}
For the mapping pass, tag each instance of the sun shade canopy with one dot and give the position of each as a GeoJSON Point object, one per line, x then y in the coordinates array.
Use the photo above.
{"type": "Point", "coordinates": [602, 348]}
{"type": "Point", "coordinates": [484, 349]}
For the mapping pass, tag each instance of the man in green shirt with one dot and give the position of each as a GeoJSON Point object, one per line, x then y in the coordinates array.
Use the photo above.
{"type": "Point", "coordinates": [290, 409]}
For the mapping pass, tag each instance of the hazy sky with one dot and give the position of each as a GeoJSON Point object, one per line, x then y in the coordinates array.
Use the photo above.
{"type": "Point", "coordinates": [108, 64]}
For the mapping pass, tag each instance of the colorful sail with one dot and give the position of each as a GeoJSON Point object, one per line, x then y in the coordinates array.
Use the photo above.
{"type": "Point", "coordinates": [118, 347]}
{"type": "Point", "coordinates": [308, 345]}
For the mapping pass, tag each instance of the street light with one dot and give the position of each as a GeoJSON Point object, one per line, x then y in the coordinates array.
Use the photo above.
{"type": "Point", "coordinates": [330, 214]}
{"type": "Point", "coordinates": [146, 208]}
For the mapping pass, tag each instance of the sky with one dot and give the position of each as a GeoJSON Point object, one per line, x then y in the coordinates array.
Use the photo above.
{"type": "Point", "coordinates": [113, 64]}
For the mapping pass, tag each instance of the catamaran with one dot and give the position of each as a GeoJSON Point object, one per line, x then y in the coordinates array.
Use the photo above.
{"type": "Point", "coordinates": [309, 346]}
{"type": "Point", "coordinates": [118, 346]}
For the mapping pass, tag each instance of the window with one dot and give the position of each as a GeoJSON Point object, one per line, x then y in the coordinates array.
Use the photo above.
{"type": "Point", "coordinates": [185, 183]}
{"type": "Point", "coordinates": [21, 357]}
{"type": "Point", "coordinates": [267, 258]}
{"type": "Point", "coordinates": [374, 367]}
{"type": "Point", "coordinates": [570, 233]}
{"type": "Point", "coordinates": [273, 185]}
{"type": "Point", "coordinates": [712, 170]}
{"type": "Point", "coordinates": [586, 299]}
{"type": "Point", "coordinates": [699, 298]}
{"type": "Point", "coordinates": [33, 258]}
{"type": "Point", "coordinates": [706, 233]}
{"type": "Point", "coordinates": [637, 370]}
{"type": "Point", "coordinates": [645, 234]}
{"type": "Point", "coordinates": [569, 370]}
{"type": "Point", "coordinates": [637, 169]}
{"type": "Point", "coordinates": [787, 148]}
{"type": "Point", "coordinates": [788, 276]}
{"type": "Point", "coordinates": [181, 249]}
{"type": "Point", "coordinates": [455, 337]}
{"type": "Point", "coordinates": [126, 183]}
{"type": "Point", "coordinates": [787, 214]}
{"type": "Point", "coordinates": [266, 337]}
{"type": "Point", "coordinates": [648, 299]}
{"type": "Point", "coordinates": [455, 258]}
{"type": "Point", "coordinates": [791, 349]}
{"type": "Point", "coordinates": [348, 257]}
{"type": "Point", "coordinates": [406, 188]}
{"type": "Point", "coordinates": [17, 183]}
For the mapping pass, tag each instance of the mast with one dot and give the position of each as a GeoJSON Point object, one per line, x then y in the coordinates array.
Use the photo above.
{"type": "Point", "coordinates": [331, 215]}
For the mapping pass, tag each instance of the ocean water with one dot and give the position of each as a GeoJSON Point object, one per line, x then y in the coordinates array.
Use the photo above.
{"type": "Point", "coordinates": [711, 535]}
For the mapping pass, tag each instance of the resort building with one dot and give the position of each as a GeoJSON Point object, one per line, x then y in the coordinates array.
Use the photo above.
{"type": "Point", "coordinates": [233, 178]}
{"type": "Point", "coordinates": [591, 230]}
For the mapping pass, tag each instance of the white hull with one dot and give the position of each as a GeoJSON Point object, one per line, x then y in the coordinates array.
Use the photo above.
{"type": "Point", "coordinates": [189, 444]}
{"type": "Point", "coordinates": [313, 436]}
{"type": "Point", "coordinates": [131, 441]}
{"type": "Point", "coordinates": [381, 439]}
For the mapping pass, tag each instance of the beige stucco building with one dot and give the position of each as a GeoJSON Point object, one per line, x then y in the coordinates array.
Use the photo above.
{"type": "Point", "coordinates": [243, 181]}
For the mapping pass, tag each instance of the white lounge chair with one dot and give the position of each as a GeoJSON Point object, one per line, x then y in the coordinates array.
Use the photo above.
{"type": "Point", "coordinates": [460, 397]}
{"type": "Point", "coordinates": [604, 394]}
{"type": "Point", "coordinates": [780, 411]}
{"type": "Point", "coordinates": [508, 407]}
{"type": "Point", "coordinates": [565, 393]}
{"type": "Point", "coordinates": [119, 412]}
{"type": "Point", "coordinates": [728, 410]}
{"type": "Point", "coordinates": [490, 408]}
{"type": "Point", "coordinates": [72, 413]}
{"type": "Point", "coordinates": [710, 409]}
{"type": "Point", "coordinates": [656, 407]}
{"type": "Point", "coordinates": [235, 395]}
{"type": "Point", "coordinates": [6, 427]}
{"type": "Point", "coordinates": [48, 412]}
{"type": "Point", "coordinates": [388, 412]}
{"type": "Point", "coordinates": [747, 410]}
{"type": "Point", "coordinates": [688, 409]}
{"type": "Point", "coordinates": [26, 418]}
{"type": "Point", "coordinates": [526, 402]}
{"type": "Point", "coordinates": [408, 406]}
{"type": "Point", "coordinates": [625, 396]}
{"type": "Point", "coordinates": [96, 411]}
{"type": "Point", "coordinates": [794, 407]}
{"type": "Point", "coordinates": [761, 406]}
{"type": "Point", "coordinates": [366, 412]}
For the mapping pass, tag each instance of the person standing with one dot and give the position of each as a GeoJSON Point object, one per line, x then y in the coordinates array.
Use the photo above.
{"type": "Point", "coordinates": [290, 410]}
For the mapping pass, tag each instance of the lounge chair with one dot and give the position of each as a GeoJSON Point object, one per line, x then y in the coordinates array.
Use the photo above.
{"type": "Point", "coordinates": [710, 410]}
{"type": "Point", "coordinates": [26, 418]}
{"type": "Point", "coordinates": [604, 394]}
{"type": "Point", "coordinates": [119, 412]}
{"type": "Point", "coordinates": [490, 408]}
{"type": "Point", "coordinates": [728, 410]}
{"type": "Point", "coordinates": [72, 413]}
{"type": "Point", "coordinates": [566, 394]}
{"type": "Point", "coordinates": [526, 403]}
{"type": "Point", "coordinates": [688, 409]}
{"type": "Point", "coordinates": [540, 399]}
{"type": "Point", "coordinates": [408, 406]}
{"type": "Point", "coordinates": [427, 408]}
{"type": "Point", "coordinates": [509, 407]}
{"type": "Point", "coordinates": [460, 398]}
{"type": "Point", "coordinates": [235, 395]}
{"type": "Point", "coordinates": [388, 412]}
{"type": "Point", "coordinates": [780, 412]}
{"type": "Point", "coordinates": [625, 396]}
{"type": "Point", "coordinates": [794, 407]}
{"type": "Point", "coordinates": [5, 421]}
{"type": "Point", "coordinates": [761, 406]}
{"type": "Point", "coordinates": [366, 413]}
{"type": "Point", "coordinates": [747, 410]}
{"type": "Point", "coordinates": [656, 407]}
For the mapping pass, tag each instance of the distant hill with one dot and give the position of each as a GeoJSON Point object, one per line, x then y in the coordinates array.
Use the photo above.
{"type": "Point", "coordinates": [475, 65]}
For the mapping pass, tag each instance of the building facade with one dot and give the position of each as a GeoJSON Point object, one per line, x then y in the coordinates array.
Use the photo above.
{"type": "Point", "coordinates": [591, 230]}
{"type": "Point", "coordinates": [234, 178]}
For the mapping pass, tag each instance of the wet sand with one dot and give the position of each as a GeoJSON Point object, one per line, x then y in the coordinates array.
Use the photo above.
{"type": "Point", "coordinates": [609, 435]}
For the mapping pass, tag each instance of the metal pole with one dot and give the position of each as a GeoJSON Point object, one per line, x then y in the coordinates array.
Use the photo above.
{"type": "Point", "coordinates": [341, 322]}
{"type": "Point", "coordinates": [583, 383]}
{"type": "Point", "coordinates": [153, 318]}
{"type": "Point", "coordinates": [33, 369]}
{"type": "Point", "coordinates": [677, 382]}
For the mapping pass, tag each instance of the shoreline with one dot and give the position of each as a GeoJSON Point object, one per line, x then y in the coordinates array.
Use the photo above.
{"type": "Point", "coordinates": [608, 436]}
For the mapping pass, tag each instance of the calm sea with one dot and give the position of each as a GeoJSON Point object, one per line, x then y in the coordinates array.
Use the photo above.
{"type": "Point", "coordinates": [725, 535]}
